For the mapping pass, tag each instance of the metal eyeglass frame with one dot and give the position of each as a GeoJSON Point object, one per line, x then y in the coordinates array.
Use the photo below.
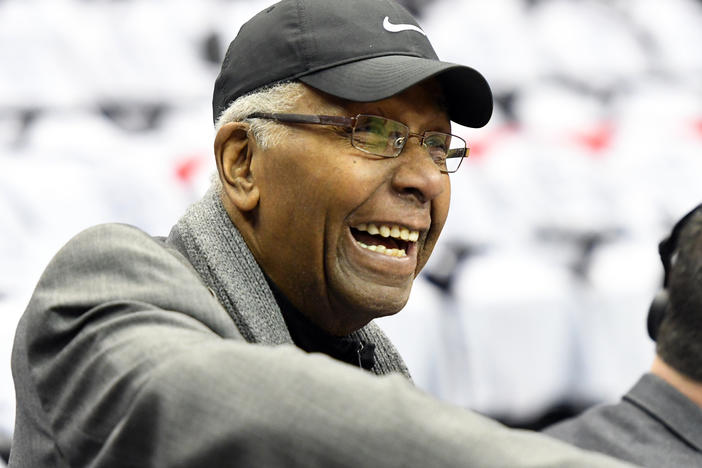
{"type": "Point", "coordinates": [350, 122]}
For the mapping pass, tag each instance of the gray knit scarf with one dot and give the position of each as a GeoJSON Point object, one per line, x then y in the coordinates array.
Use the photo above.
{"type": "Point", "coordinates": [224, 262]}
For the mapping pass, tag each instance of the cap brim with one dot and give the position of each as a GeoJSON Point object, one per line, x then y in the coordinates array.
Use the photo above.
{"type": "Point", "coordinates": [467, 93]}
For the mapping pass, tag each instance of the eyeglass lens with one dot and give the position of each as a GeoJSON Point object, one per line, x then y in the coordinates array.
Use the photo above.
{"type": "Point", "coordinates": [385, 137]}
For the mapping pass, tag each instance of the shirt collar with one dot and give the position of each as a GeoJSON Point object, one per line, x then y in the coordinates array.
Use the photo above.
{"type": "Point", "coordinates": [309, 337]}
{"type": "Point", "coordinates": [670, 407]}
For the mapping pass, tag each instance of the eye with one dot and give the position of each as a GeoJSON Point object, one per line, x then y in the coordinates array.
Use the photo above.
{"type": "Point", "coordinates": [371, 124]}
{"type": "Point", "coordinates": [436, 142]}
{"type": "Point", "coordinates": [380, 136]}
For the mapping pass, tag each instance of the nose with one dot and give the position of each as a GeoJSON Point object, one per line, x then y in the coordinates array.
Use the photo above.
{"type": "Point", "coordinates": [416, 175]}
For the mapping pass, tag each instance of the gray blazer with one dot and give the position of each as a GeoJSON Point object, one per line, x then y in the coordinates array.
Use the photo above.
{"type": "Point", "coordinates": [137, 352]}
{"type": "Point", "coordinates": [653, 425]}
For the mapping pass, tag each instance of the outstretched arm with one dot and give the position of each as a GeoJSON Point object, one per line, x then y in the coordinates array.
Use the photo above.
{"type": "Point", "coordinates": [124, 359]}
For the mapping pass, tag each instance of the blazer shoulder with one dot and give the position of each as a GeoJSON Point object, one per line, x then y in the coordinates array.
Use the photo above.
{"type": "Point", "coordinates": [119, 263]}
{"type": "Point", "coordinates": [107, 236]}
{"type": "Point", "coordinates": [123, 239]}
{"type": "Point", "coordinates": [115, 245]}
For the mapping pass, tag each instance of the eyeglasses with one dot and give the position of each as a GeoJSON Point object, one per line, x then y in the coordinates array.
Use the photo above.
{"type": "Point", "coordinates": [384, 137]}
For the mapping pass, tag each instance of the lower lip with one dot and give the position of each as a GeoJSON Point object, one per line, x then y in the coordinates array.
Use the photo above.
{"type": "Point", "coordinates": [385, 265]}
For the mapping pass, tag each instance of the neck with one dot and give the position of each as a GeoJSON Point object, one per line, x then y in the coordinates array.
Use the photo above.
{"type": "Point", "coordinates": [692, 389]}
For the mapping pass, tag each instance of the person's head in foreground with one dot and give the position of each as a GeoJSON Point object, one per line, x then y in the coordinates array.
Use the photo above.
{"type": "Point", "coordinates": [657, 422]}
{"type": "Point", "coordinates": [675, 318]}
{"type": "Point", "coordinates": [334, 149]}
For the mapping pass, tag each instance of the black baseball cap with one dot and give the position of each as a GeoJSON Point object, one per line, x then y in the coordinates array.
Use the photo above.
{"type": "Point", "coordinates": [358, 50]}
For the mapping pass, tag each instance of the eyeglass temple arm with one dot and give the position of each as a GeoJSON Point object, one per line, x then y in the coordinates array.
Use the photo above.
{"type": "Point", "coordinates": [458, 153]}
{"type": "Point", "coordinates": [305, 118]}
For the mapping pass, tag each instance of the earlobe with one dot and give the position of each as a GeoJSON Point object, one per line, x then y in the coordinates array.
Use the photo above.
{"type": "Point", "coordinates": [234, 153]}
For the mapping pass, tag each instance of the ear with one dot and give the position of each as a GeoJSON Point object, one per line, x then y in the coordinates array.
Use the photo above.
{"type": "Point", "coordinates": [233, 152]}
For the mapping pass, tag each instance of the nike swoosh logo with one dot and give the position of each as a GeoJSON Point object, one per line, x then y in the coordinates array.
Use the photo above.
{"type": "Point", "coordinates": [390, 27]}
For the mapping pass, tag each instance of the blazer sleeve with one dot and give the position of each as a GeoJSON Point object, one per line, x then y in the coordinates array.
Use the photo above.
{"type": "Point", "coordinates": [124, 359]}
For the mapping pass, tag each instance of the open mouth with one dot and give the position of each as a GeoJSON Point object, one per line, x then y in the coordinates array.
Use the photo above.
{"type": "Point", "coordinates": [391, 240]}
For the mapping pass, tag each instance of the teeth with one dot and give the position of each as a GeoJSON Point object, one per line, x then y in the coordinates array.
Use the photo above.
{"type": "Point", "coordinates": [385, 230]}
{"type": "Point", "coordinates": [383, 250]}
{"type": "Point", "coordinates": [389, 231]}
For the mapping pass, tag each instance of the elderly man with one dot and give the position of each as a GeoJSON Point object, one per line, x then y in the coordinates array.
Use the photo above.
{"type": "Point", "coordinates": [658, 423]}
{"type": "Point", "coordinates": [333, 151]}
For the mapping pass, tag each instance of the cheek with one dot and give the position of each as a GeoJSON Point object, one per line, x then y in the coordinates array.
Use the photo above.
{"type": "Point", "coordinates": [439, 213]}
{"type": "Point", "coordinates": [301, 199]}
{"type": "Point", "coordinates": [440, 208]}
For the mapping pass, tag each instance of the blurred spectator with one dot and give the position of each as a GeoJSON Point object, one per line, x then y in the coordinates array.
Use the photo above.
{"type": "Point", "coordinates": [658, 423]}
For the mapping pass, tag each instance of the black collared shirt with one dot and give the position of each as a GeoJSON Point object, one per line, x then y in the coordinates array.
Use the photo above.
{"type": "Point", "coordinates": [309, 337]}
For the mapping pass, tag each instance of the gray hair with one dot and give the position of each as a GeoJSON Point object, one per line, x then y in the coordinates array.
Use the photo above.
{"type": "Point", "coordinates": [280, 97]}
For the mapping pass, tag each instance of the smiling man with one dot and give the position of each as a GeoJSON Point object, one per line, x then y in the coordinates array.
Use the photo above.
{"type": "Point", "coordinates": [333, 151]}
{"type": "Point", "coordinates": [339, 230]}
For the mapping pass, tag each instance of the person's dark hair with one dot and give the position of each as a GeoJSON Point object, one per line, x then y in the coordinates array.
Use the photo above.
{"type": "Point", "coordinates": [679, 340]}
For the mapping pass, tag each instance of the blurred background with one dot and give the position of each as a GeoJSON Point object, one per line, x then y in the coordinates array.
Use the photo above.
{"type": "Point", "coordinates": [534, 304]}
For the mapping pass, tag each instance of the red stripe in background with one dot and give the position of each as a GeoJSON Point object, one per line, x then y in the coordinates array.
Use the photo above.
{"type": "Point", "coordinates": [697, 126]}
{"type": "Point", "coordinates": [596, 139]}
{"type": "Point", "coordinates": [483, 144]}
{"type": "Point", "coordinates": [187, 167]}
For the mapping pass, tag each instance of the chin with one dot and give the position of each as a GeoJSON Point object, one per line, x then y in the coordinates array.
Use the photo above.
{"type": "Point", "coordinates": [358, 311]}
